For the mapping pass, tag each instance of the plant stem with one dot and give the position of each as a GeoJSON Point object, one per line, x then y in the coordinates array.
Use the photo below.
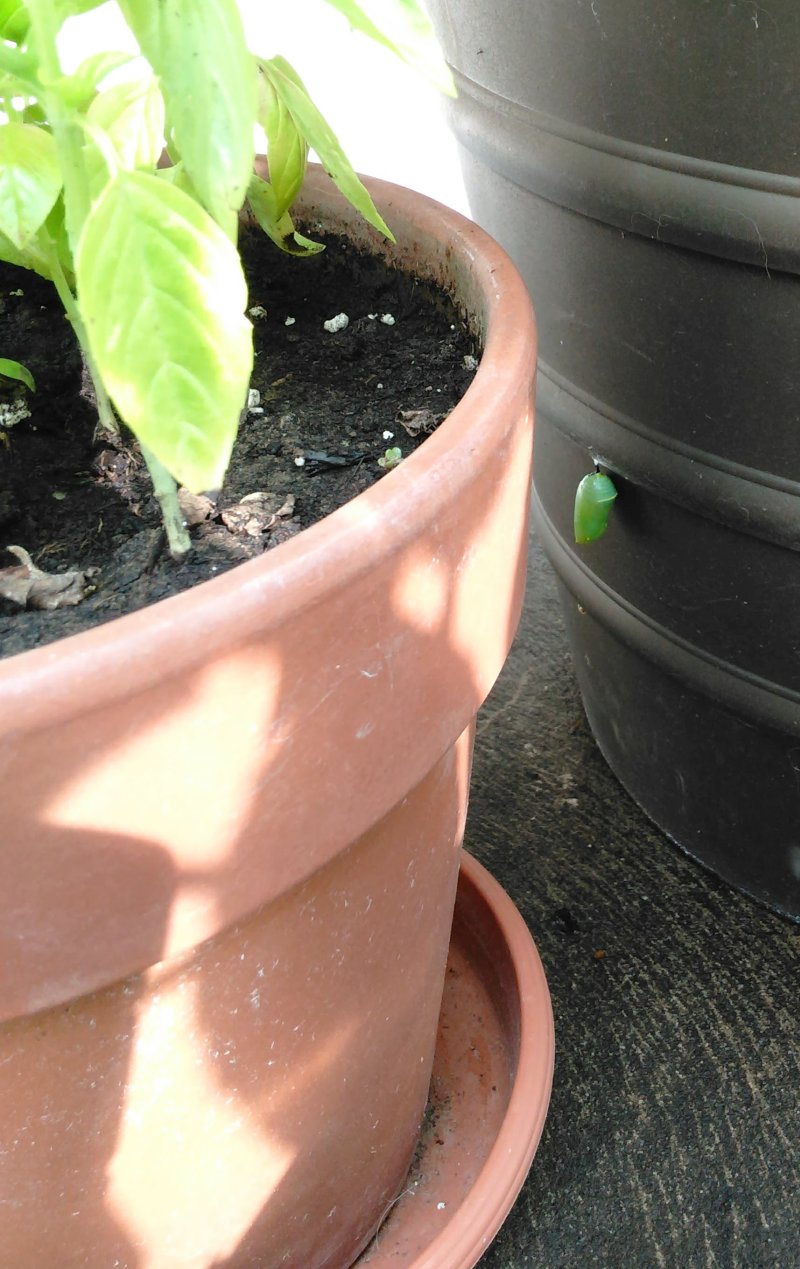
{"type": "Point", "coordinates": [167, 493]}
{"type": "Point", "coordinates": [69, 137]}
{"type": "Point", "coordinates": [230, 226]}
{"type": "Point", "coordinates": [66, 130]}
{"type": "Point", "coordinates": [77, 203]}
{"type": "Point", "coordinates": [107, 420]}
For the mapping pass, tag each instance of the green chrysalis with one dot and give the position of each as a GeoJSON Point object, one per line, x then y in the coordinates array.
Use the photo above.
{"type": "Point", "coordinates": [594, 499]}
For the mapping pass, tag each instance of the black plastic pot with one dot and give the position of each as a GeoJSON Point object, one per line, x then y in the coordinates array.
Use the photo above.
{"type": "Point", "coordinates": [640, 161]}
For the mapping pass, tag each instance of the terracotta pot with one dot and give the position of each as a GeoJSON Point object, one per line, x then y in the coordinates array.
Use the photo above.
{"type": "Point", "coordinates": [231, 834]}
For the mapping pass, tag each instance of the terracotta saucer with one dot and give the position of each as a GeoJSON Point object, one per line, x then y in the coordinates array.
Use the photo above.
{"type": "Point", "coordinates": [489, 1092]}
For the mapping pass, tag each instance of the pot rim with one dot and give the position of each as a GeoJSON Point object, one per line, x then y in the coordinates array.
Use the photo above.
{"type": "Point", "coordinates": [133, 652]}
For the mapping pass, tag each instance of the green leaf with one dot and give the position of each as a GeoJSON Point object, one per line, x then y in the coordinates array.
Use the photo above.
{"type": "Point", "coordinates": [51, 238]}
{"type": "Point", "coordinates": [11, 87]}
{"type": "Point", "coordinates": [13, 370]}
{"type": "Point", "coordinates": [415, 42]}
{"type": "Point", "coordinates": [20, 67]}
{"type": "Point", "coordinates": [33, 113]}
{"type": "Point", "coordinates": [318, 134]}
{"type": "Point", "coordinates": [30, 180]}
{"type": "Point", "coordinates": [14, 21]}
{"type": "Point", "coordinates": [287, 149]}
{"type": "Point", "coordinates": [162, 294]}
{"type": "Point", "coordinates": [37, 253]}
{"type": "Point", "coordinates": [72, 8]}
{"type": "Point", "coordinates": [176, 174]}
{"type": "Point", "coordinates": [208, 78]}
{"type": "Point", "coordinates": [132, 116]}
{"type": "Point", "coordinates": [30, 258]}
{"type": "Point", "coordinates": [280, 227]}
{"type": "Point", "coordinates": [56, 229]}
{"type": "Point", "coordinates": [99, 162]}
{"type": "Point", "coordinates": [78, 89]}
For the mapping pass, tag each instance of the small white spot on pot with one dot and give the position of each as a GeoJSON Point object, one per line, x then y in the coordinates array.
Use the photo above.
{"type": "Point", "coordinates": [440, 1207]}
{"type": "Point", "coordinates": [364, 730]}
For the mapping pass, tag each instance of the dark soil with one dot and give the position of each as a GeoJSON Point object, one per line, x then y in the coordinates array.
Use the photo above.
{"type": "Point", "coordinates": [73, 500]}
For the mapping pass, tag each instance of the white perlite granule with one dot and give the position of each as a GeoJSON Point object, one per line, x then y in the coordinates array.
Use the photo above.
{"type": "Point", "coordinates": [340, 322]}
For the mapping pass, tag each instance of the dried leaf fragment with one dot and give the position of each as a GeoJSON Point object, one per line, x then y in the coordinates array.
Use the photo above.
{"type": "Point", "coordinates": [112, 462]}
{"type": "Point", "coordinates": [257, 513]}
{"type": "Point", "coordinates": [195, 508]}
{"type": "Point", "coordinates": [283, 530]}
{"type": "Point", "coordinates": [30, 587]}
{"type": "Point", "coordinates": [416, 421]}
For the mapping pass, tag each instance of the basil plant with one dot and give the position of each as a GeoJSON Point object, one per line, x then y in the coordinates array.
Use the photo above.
{"type": "Point", "coordinates": [143, 254]}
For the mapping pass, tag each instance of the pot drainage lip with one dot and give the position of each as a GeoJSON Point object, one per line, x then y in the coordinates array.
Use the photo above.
{"type": "Point", "coordinates": [490, 1089]}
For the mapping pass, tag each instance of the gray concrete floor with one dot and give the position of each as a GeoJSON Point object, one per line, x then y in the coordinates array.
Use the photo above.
{"type": "Point", "coordinates": [673, 1137]}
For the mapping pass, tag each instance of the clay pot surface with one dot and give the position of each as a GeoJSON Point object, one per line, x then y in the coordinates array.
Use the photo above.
{"type": "Point", "coordinates": [230, 845]}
